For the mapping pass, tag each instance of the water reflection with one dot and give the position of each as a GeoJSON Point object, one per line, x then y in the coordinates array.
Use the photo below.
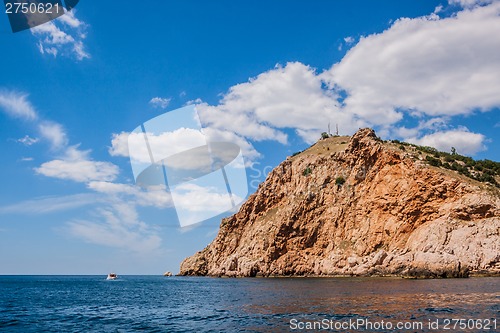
{"type": "Point", "coordinates": [393, 300]}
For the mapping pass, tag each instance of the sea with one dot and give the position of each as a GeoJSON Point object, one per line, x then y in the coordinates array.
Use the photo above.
{"type": "Point", "coordinates": [203, 304]}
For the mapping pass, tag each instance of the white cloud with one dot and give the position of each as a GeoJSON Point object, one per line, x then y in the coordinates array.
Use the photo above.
{"type": "Point", "coordinates": [117, 226]}
{"type": "Point", "coordinates": [289, 97]}
{"type": "Point", "coordinates": [425, 65]}
{"type": "Point", "coordinates": [194, 198]}
{"type": "Point", "coordinates": [285, 97]}
{"type": "Point", "coordinates": [79, 171]}
{"type": "Point", "coordinates": [112, 188]}
{"type": "Point", "coordinates": [349, 40]}
{"type": "Point", "coordinates": [119, 144]}
{"type": "Point", "coordinates": [27, 159]}
{"type": "Point", "coordinates": [170, 143]}
{"type": "Point", "coordinates": [64, 36]}
{"type": "Point", "coordinates": [218, 135]}
{"type": "Point", "coordinates": [428, 68]}
{"type": "Point", "coordinates": [195, 203]}
{"type": "Point", "coordinates": [54, 35]}
{"type": "Point", "coordinates": [79, 50]}
{"type": "Point", "coordinates": [466, 143]}
{"type": "Point", "coordinates": [78, 167]}
{"type": "Point", "coordinates": [470, 3]}
{"type": "Point", "coordinates": [16, 104]}
{"type": "Point", "coordinates": [160, 102]}
{"type": "Point", "coordinates": [162, 145]}
{"type": "Point", "coordinates": [49, 50]}
{"type": "Point", "coordinates": [434, 124]}
{"type": "Point", "coordinates": [153, 196]}
{"type": "Point", "coordinates": [27, 140]}
{"type": "Point", "coordinates": [194, 101]}
{"type": "Point", "coordinates": [54, 133]}
{"type": "Point", "coordinates": [70, 19]}
{"type": "Point", "coordinates": [46, 205]}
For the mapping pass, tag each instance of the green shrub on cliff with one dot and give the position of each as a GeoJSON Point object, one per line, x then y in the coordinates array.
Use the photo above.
{"type": "Point", "coordinates": [340, 181]}
{"type": "Point", "coordinates": [482, 170]}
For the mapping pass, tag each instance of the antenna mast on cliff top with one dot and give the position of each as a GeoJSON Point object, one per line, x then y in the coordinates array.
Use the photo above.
{"type": "Point", "coordinates": [337, 132]}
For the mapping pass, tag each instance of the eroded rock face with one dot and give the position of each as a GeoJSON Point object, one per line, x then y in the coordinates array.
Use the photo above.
{"type": "Point", "coordinates": [393, 215]}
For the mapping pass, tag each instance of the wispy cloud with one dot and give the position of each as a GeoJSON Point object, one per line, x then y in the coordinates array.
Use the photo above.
{"type": "Point", "coordinates": [470, 3]}
{"type": "Point", "coordinates": [53, 204]}
{"type": "Point", "coordinates": [117, 226]}
{"type": "Point", "coordinates": [17, 105]}
{"type": "Point", "coordinates": [63, 36]}
{"type": "Point", "coordinates": [160, 102]}
{"type": "Point", "coordinates": [70, 19]}
{"type": "Point", "coordinates": [349, 40]}
{"type": "Point", "coordinates": [54, 133]}
{"type": "Point", "coordinates": [72, 163]}
{"type": "Point", "coordinates": [28, 140]}
{"type": "Point", "coordinates": [116, 221]}
{"type": "Point", "coordinates": [153, 196]}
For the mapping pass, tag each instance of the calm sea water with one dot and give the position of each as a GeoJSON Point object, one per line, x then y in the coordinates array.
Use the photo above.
{"type": "Point", "coordinates": [180, 304]}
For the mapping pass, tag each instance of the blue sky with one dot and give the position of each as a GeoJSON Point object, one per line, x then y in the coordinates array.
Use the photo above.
{"type": "Point", "coordinates": [267, 75]}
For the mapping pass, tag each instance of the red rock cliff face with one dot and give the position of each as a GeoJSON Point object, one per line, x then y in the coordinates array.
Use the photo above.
{"type": "Point", "coordinates": [393, 215]}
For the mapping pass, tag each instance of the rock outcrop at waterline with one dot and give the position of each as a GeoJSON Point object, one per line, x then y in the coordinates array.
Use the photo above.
{"type": "Point", "coordinates": [355, 207]}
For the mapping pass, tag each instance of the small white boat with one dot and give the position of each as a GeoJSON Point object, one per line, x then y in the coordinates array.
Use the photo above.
{"type": "Point", "coordinates": [112, 276]}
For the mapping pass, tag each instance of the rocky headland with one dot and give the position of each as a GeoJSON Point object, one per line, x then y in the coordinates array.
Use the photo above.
{"type": "Point", "coordinates": [359, 206]}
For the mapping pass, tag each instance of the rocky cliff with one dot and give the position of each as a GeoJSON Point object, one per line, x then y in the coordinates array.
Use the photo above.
{"type": "Point", "coordinates": [358, 206]}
